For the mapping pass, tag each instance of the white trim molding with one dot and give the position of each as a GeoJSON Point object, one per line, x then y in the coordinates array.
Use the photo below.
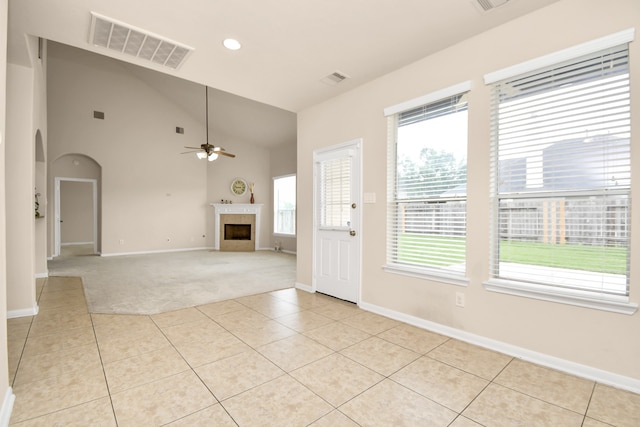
{"type": "Point", "coordinates": [551, 294]}
{"type": "Point", "coordinates": [7, 407]}
{"type": "Point", "coordinates": [23, 312]}
{"type": "Point", "coordinates": [428, 98]}
{"type": "Point", "coordinates": [583, 371]}
{"type": "Point", "coordinates": [304, 287]}
{"type": "Point", "coordinates": [573, 52]}
{"type": "Point", "coordinates": [161, 251]}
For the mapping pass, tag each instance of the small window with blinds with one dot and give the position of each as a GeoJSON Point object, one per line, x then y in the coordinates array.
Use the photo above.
{"type": "Point", "coordinates": [428, 187]}
{"type": "Point", "coordinates": [561, 177]}
{"type": "Point", "coordinates": [335, 193]}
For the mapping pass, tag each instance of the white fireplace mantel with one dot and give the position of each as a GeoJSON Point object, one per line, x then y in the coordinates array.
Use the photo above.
{"type": "Point", "coordinates": [235, 208]}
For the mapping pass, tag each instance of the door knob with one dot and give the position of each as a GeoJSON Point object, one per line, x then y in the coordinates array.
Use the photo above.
{"type": "Point", "coordinates": [352, 232]}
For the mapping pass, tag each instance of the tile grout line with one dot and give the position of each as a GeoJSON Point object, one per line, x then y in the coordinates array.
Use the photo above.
{"type": "Point", "coordinates": [24, 347]}
{"type": "Point", "coordinates": [104, 372]}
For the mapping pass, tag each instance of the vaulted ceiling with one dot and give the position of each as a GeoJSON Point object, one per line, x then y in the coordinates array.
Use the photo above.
{"type": "Point", "coordinates": [288, 46]}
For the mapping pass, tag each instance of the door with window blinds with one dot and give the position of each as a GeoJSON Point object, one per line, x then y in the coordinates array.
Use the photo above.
{"type": "Point", "coordinates": [337, 222]}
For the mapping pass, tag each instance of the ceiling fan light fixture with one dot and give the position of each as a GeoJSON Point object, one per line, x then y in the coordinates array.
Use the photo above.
{"type": "Point", "coordinates": [231, 44]}
{"type": "Point", "coordinates": [208, 151]}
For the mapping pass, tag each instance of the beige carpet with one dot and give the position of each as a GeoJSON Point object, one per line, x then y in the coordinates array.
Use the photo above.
{"type": "Point", "coordinates": [156, 283]}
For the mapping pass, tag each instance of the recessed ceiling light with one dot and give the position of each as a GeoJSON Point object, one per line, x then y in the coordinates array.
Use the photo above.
{"type": "Point", "coordinates": [232, 44]}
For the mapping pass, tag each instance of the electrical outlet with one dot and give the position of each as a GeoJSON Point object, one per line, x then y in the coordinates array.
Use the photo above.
{"type": "Point", "coordinates": [460, 299]}
{"type": "Point", "coordinates": [122, 241]}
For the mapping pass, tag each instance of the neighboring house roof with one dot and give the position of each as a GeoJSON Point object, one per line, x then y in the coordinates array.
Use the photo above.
{"type": "Point", "coordinates": [571, 165]}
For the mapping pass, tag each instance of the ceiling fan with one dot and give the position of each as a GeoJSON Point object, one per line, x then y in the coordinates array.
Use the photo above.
{"type": "Point", "coordinates": [208, 151]}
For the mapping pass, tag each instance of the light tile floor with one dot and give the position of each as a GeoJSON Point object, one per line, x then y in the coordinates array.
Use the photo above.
{"type": "Point", "coordinates": [286, 358]}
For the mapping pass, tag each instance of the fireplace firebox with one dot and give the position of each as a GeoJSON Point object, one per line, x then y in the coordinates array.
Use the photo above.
{"type": "Point", "coordinates": [237, 231]}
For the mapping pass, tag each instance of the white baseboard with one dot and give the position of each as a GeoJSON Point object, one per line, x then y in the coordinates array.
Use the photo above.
{"type": "Point", "coordinates": [583, 371]}
{"type": "Point", "coordinates": [177, 250]}
{"type": "Point", "coordinates": [304, 287]}
{"type": "Point", "coordinates": [76, 243]}
{"type": "Point", "coordinates": [281, 251]}
{"type": "Point", "coordinates": [42, 275]}
{"type": "Point", "coordinates": [7, 407]}
{"type": "Point", "coordinates": [24, 312]}
{"type": "Point", "coordinates": [162, 251]}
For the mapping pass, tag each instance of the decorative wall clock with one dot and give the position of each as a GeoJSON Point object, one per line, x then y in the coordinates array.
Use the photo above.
{"type": "Point", "coordinates": [239, 186]}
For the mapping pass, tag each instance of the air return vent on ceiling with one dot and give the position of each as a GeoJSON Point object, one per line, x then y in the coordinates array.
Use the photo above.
{"type": "Point", "coordinates": [334, 78]}
{"type": "Point", "coordinates": [487, 5]}
{"type": "Point", "coordinates": [124, 38]}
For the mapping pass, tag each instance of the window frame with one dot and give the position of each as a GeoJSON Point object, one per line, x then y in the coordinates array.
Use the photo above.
{"type": "Point", "coordinates": [392, 113]}
{"type": "Point", "coordinates": [541, 291]}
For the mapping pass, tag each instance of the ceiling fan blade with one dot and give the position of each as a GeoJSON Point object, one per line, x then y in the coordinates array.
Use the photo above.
{"type": "Point", "coordinates": [189, 152]}
{"type": "Point", "coordinates": [194, 148]}
{"type": "Point", "coordinates": [224, 153]}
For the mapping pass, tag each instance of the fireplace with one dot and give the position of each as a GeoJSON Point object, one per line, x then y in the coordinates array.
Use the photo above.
{"type": "Point", "coordinates": [237, 227]}
{"type": "Point", "coordinates": [237, 232]}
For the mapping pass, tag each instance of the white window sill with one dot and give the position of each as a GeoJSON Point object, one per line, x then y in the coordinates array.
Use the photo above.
{"type": "Point", "coordinates": [443, 276]}
{"type": "Point", "coordinates": [283, 235]}
{"type": "Point", "coordinates": [616, 304]}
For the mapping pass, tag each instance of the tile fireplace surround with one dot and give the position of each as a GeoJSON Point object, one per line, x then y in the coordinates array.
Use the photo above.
{"type": "Point", "coordinates": [240, 209]}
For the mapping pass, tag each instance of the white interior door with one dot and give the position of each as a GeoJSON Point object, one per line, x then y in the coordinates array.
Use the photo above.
{"type": "Point", "coordinates": [337, 218]}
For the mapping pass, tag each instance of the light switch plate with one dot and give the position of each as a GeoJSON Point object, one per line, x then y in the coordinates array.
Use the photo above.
{"type": "Point", "coordinates": [369, 197]}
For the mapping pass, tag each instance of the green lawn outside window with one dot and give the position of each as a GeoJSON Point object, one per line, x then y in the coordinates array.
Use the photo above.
{"type": "Point", "coordinates": [421, 249]}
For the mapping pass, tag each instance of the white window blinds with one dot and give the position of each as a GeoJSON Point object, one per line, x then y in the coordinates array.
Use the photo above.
{"type": "Point", "coordinates": [427, 187]}
{"type": "Point", "coordinates": [335, 193]}
{"type": "Point", "coordinates": [561, 176]}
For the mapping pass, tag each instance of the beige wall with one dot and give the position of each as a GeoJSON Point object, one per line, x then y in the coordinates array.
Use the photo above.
{"type": "Point", "coordinates": [153, 198]}
{"type": "Point", "coordinates": [6, 395]}
{"type": "Point", "coordinates": [20, 148]}
{"type": "Point", "coordinates": [39, 138]}
{"type": "Point", "coordinates": [597, 339]}
{"type": "Point", "coordinates": [251, 164]}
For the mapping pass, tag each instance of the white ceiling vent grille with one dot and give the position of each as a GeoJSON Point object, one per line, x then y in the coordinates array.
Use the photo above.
{"type": "Point", "coordinates": [487, 5]}
{"type": "Point", "coordinates": [124, 38]}
{"type": "Point", "coordinates": [334, 78]}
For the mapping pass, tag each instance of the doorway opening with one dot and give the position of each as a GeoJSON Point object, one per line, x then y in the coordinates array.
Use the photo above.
{"type": "Point", "coordinates": [76, 201]}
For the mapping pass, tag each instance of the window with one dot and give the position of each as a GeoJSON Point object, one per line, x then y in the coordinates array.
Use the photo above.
{"type": "Point", "coordinates": [427, 185]}
{"type": "Point", "coordinates": [561, 179]}
{"type": "Point", "coordinates": [335, 193]}
{"type": "Point", "coordinates": [284, 205]}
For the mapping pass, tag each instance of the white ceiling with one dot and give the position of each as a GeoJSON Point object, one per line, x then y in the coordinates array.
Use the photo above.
{"type": "Point", "coordinates": [288, 45]}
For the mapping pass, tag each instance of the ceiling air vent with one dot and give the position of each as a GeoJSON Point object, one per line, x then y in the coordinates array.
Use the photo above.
{"type": "Point", "coordinates": [334, 78]}
{"type": "Point", "coordinates": [124, 38]}
{"type": "Point", "coordinates": [487, 5]}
